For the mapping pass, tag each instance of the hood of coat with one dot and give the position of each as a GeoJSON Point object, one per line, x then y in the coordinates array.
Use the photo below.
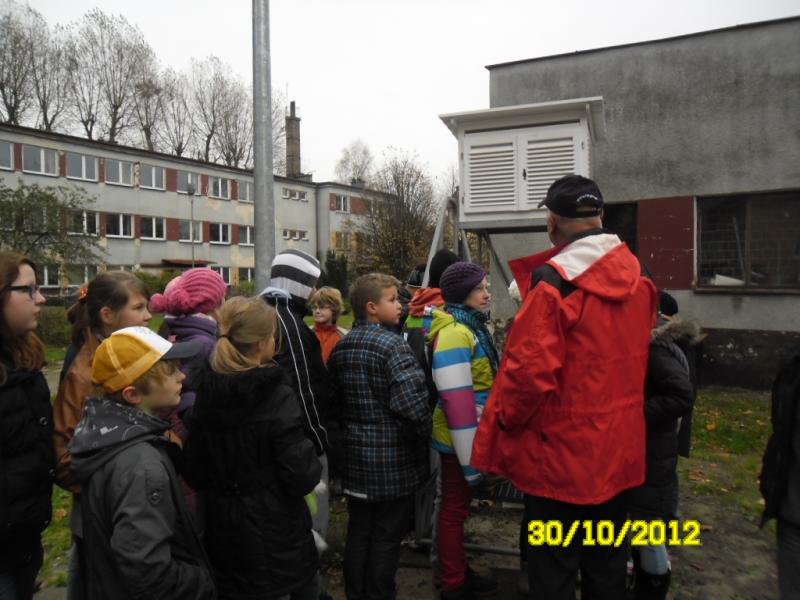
{"type": "Point", "coordinates": [600, 264]}
{"type": "Point", "coordinates": [198, 328]}
{"type": "Point", "coordinates": [278, 297]}
{"type": "Point", "coordinates": [677, 330]}
{"type": "Point", "coordinates": [107, 428]}
{"type": "Point", "coordinates": [441, 319]}
{"type": "Point", "coordinates": [224, 400]}
{"type": "Point", "coordinates": [425, 297]}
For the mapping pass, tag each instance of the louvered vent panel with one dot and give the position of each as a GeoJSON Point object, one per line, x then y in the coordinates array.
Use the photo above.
{"type": "Point", "coordinates": [546, 161]}
{"type": "Point", "coordinates": [491, 172]}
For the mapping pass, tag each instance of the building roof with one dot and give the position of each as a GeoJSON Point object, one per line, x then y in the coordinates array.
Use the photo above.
{"type": "Point", "coordinates": [642, 43]}
{"type": "Point", "coordinates": [112, 147]}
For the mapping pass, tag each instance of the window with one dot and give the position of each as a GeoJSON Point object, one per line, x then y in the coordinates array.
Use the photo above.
{"type": "Point", "coordinates": [749, 241]}
{"type": "Point", "coordinates": [119, 172]}
{"type": "Point", "coordinates": [220, 188]}
{"type": "Point", "coordinates": [225, 273]}
{"type": "Point", "coordinates": [80, 274]}
{"type": "Point", "coordinates": [245, 191]}
{"type": "Point", "coordinates": [287, 234]}
{"type": "Point", "coordinates": [119, 225]}
{"type": "Point", "coordinates": [83, 222]}
{"type": "Point", "coordinates": [304, 236]}
{"type": "Point", "coordinates": [186, 179]}
{"type": "Point", "coordinates": [151, 177]}
{"type": "Point", "coordinates": [80, 166]}
{"type": "Point", "coordinates": [6, 156]}
{"type": "Point", "coordinates": [246, 274]}
{"type": "Point", "coordinates": [39, 160]}
{"type": "Point", "coordinates": [128, 268]}
{"type": "Point", "coordinates": [342, 203]}
{"type": "Point", "coordinates": [48, 276]}
{"type": "Point", "coordinates": [189, 229]}
{"type": "Point", "coordinates": [341, 240]}
{"type": "Point", "coordinates": [246, 235]}
{"type": "Point", "coordinates": [153, 228]}
{"type": "Point", "coordinates": [220, 233]}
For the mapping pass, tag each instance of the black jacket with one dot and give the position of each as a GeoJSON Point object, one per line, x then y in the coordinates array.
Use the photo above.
{"type": "Point", "coordinates": [669, 395]}
{"type": "Point", "coordinates": [300, 356]}
{"type": "Point", "coordinates": [248, 455]}
{"type": "Point", "coordinates": [139, 537]}
{"type": "Point", "coordinates": [27, 460]}
{"type": "Point", "coordinates": [780, 472]}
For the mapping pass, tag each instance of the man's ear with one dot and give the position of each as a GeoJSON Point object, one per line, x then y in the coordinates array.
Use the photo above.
{"type": "Point", "coordinates": [131, 395]}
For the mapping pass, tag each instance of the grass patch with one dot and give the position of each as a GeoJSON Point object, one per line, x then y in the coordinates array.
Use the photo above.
{"type": "Point", "coordinates": [54, 354]}
{"type": "Point", "coordinates": [56, 540]}
{"type": "Point", "coordinates": [729, 433]}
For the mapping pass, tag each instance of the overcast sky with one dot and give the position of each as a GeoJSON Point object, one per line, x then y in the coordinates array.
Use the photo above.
{"type": "Point", "coordinates": [383, 70]}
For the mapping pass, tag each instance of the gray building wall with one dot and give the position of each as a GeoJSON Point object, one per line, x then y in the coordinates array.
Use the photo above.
{"type": "Point", "coordinates": [712, 113]}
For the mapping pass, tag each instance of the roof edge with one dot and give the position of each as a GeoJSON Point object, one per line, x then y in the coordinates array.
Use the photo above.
{"type": "Point", "coordinates": [644, 42]}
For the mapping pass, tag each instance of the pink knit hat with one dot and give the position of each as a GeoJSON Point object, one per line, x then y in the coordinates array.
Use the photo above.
{"type": "Point", "coordinates": [198, 290]}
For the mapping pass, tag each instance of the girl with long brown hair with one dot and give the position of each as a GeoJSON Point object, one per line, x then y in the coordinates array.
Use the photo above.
{"type": "Point", "coordinates": [113, 300]}
{"type": "Point", "coordinates": [26, 428]}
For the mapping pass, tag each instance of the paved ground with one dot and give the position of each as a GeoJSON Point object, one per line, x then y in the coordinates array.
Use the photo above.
{"type": "Point", "coordinates": [51, 373]}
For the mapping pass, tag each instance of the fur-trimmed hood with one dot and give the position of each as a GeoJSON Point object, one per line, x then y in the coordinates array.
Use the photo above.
{"type": "Point", "coordinates": [677, 330]}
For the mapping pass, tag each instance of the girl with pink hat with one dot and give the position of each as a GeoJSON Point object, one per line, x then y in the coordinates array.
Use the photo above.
{"type": "Point", "coordinates": [190, 302]}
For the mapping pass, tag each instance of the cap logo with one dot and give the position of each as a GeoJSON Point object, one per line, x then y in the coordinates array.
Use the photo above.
{"type": "Point", "coordinates": [580, 199]}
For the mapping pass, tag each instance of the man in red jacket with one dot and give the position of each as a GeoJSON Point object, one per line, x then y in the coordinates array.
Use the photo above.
{"type": "Point", "coordinates": [565, 420]}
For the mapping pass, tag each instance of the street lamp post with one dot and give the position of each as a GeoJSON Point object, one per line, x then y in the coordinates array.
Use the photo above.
{"type": "Point", "coordinates": [190, 191]}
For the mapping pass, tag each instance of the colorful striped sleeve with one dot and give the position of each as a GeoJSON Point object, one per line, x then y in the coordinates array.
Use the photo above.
{"type": "Point", "coordinates": [452, 374]}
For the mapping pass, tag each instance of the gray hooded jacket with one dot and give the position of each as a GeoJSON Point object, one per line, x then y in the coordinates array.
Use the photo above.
{"type": "Point", "coordinates": [138, 535]}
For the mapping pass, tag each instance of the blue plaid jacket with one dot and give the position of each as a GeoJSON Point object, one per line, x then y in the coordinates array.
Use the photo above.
{"type": "Point", "coordinates": [382, 404]}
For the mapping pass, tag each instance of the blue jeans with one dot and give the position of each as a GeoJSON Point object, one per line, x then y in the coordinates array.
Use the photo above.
{"type": "Point", "coordinates": [18, 576]}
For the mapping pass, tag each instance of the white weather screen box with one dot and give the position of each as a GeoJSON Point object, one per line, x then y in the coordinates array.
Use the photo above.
{"type": "Point", "coordinates": [505, 171]}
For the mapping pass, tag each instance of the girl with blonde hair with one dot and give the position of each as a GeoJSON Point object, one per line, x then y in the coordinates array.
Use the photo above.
{"type": "Point", "coordinates": [248, 455]}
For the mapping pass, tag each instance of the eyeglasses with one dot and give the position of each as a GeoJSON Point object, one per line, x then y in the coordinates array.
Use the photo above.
{"type": "Point", "coordinates": [31, 289]}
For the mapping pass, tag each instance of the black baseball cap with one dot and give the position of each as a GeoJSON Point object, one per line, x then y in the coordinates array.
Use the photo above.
{"type": "Point", "coordinates": [574, 197]}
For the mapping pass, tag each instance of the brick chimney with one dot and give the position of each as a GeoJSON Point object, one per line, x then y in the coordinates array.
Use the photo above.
{"type": "Point", "coordinates": [292, 143]}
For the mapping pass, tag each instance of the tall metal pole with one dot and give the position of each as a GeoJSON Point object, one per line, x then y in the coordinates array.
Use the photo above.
{"type": "Point", "coordinates": [262, 145]}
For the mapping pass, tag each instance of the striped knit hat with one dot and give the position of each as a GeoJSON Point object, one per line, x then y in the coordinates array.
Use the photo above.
{"type": "Point", "coordinates": [295, 272]}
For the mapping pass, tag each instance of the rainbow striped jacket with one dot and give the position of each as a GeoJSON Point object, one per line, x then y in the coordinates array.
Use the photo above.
{"type": "Point", "coordinates": [463, 376]}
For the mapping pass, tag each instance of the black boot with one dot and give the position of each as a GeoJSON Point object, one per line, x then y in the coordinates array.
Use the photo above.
{"type": "Point", "coordinates": [652, 587]}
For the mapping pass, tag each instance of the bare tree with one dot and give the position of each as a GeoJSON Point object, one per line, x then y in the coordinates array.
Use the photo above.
{"type": "Point", "coordinates": [234, 137]}
{"type": "Point", "coordinates": [397, 231]}
{"type": "Point", "coordinates": [209, 89]}
{"type": "Point", "coordinates": [278, 132]}
{"type": "Point", "coordinates": [84, 82]}
{"type": "Point", "coordinates": [148, 104]}
{"type": "Point", "coordinates": [117, 51]}
{"type": "Point", "coordinates": [16, 90]}
{"type": "Point", "coordinates": [177, 130]}
{"type": "Point", "coordinates": [49, 74]}
{"type": "Point", "coordinates": [355, 162]}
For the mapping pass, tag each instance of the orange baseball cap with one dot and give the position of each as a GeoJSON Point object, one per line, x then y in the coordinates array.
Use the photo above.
{"type": "Point", "coordinates": [129, 353]}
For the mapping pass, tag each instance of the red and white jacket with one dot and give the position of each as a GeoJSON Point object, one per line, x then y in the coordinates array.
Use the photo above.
{"type": "Point", "coordinates": [565, 418]}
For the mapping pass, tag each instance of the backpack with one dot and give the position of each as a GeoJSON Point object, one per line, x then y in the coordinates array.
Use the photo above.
{"type": "Point", "coordinates": [777, 456]}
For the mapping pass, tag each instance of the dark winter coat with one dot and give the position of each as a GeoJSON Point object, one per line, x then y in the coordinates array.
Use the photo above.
{"type": "Point", "coordinates": [139, 539]}
{"type": "Point", "coordinates": [780, 472]}
{"type": "Point", "coordinates": [249, 457]}
{"type": "Point", "coordinates": [300, 356]}
{"type": "Point", "coordinates": [688, 337]}
{"type": "Point", "coordinates": [27, 460]}
{"type": "Point", "coordinates": [669, 395]}
{"type": "Point", "coordinates": [382, 402]}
